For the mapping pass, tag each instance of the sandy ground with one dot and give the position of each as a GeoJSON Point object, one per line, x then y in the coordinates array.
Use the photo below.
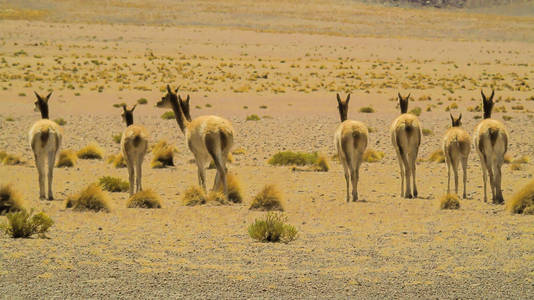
{"type": "Point", "coordinates": [386, 246]}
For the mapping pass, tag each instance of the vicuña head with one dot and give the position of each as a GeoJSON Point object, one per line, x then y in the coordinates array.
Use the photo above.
{"type": "Point", "coordinates": [343, 107]}
{"type": "Point", "coordinates": [487, 103]}
{"type": "Point", "coordinates": [456, 122]}
{"type": "Point", "coordinates": [403, 103]}
{"type": "Point", "coordinates": [127, 114]}
{"type": "Point", "coordinates": [41, 105]}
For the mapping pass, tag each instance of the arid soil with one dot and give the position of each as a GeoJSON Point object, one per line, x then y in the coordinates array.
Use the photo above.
{"type": "Point", "coordinates": [383, 247]}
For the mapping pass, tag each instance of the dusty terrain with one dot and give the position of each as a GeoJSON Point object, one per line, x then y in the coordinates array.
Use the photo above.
{"type": "Point", "coordinates": [290, 59]}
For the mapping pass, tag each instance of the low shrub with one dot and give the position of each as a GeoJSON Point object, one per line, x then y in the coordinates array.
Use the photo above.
{"type": "Point", "coordinates": [194, 195]}
{"type": "Point", "coordinates": [367, 109]}
{"type": "Point", "coordinates": [162, 155]}
{"type": "Point", "coordinates": [117, 138]}
{"type": "Point", "coordinates": [11, 160]}
{"type": "Point", "coordinates": [522, 202]}
{"type": "Point", "coordinates": [427, 132]}
{"type": "Point", "coordinates": [269, 198]}
{"type": "Point", "coordinates": [142, 101]}
{"type": "Point", "coordinates": [416, 111]}
{"type": "Point", "coordinates": [67, 158]}
{"type": "Point", "coordinates": [91, 151]}
{"type": "Point", "coordinates": [253, 117]}
{"type": "Point", "coordinates": [113, 184]}
{"type": "Point", "coordinates": [449, 201]}
{"type": "Point", "coordinates": [21, 224]}
{"type": "Point", "coordinates": [144, 199]}
{"type": "Point", "coordinates": [272, 228]}
{"type": "Point", "coordinates": [10, 199]}
{"type": "Point", "coordinates": [168, 115]}
{"type": "Point", "coordinates": [60, 121]}
{"type": "Point", "coordinates": [117, 161]}
{"type": "Point", "coordinates": [90, 198]}
{"type": "Point", "coordinates": [371, 155]}
{"type": "Point", "coordinates": [437, 156]}
{"type": "Point", "coordinates": [288, 158]}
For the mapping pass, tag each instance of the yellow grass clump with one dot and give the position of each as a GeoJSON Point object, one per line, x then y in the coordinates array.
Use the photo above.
{"type": "Point", "coordinates": [449, 201]}
{"type": "Point", "coordinates": [269, 198]}
{"type": "Point", "coordinates": [144, 199]}
{"type": "Point", "coordinates": [515, 167]}
{"type": "Point", "coordinates": [91, 151]}
{"type": "Point", "coordinates": [90, 198]}
{"type": "Point", "coordinates": [162, 155]}
{"type": "Point", "coordinates": [321, 165]}
{"type": "Point", "coordinates": [234, 188]}
{"type": "Point", "coordinates": [10, 159]}
{"type": "Point", "coordinates": [521, 160]}
{"type": "Point", "coordinates": [371, 155]}
{"type": "Point", "coordinates": [10, 199]}
{"type": "Point", "coordinates": [522, 202]}
{"type": "Point", "coordinates": [67, 158]}
{"type": "Point", "coordinates": [367, 109]}
{"type": "Point", "coordinates": [113, 184]}
{"type": "Point", "coordinates": [117, 161]}
{"type": "Point", "coordinates": [316, 161]}
{"type": "Point", "coordinates": [194, 195]}
{"type": "Point", "coordinates": [437, 156]}
{"type": "Point", "coordinates": [272, 228]}
{"type": "Point", "coordinates": [508, 158]}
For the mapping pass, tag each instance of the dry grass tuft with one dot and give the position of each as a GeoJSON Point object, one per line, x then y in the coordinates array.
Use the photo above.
{"type": "Point", "coordinates": [522, 202]}
{"type": "Point", "coordinates": [194, 195]}
{"type": "Point", "coordinates": [508, 158]}
{"type": "Point", "coordinates": [427, 132]}
{"type": "Point", "coordinates": [253, 117]}
{"type": "Point", "coordinates": [162, 155]}
{"type": "Point", "coordinates": [234, 188]}
{"type": "Point", "coordinates": [269, 198]}
{"type": "Point", "coordinates": [90, 198]}
{"type": "Point", "coordinates": [449, 201]}
{"type": "Point", "coordinates": [113, 184]}
{"type": "Point", "coordinates": [60, 121]}
{"type": "Point", "coordinates": [168, 115]}
{"type": "Point", "coordinates": [272, 229]}
{"type": "Point", "coordinates": [521, 160]}
{"type": "Point", "coordinates": [321, 165]}
{"type": "Point", "coordinates": [67, 158]}
{"type": "Point", "coordinates": [367, 109]}
{"type": "Point", "coordinates": [216, 198]}
{"type": "Point", "coordinates": [437, 156]}
{"type": "Point", "coordinates": [144, 199]}
{"type": "Point", "coordinates": [10, 159]}
{"type": "Point", "coordinates": [21, 224]}
{"type": "Point", "coordinates": [515, 167]}
{"type": "Point", "coordinates": [117, 161]}
{"type": "Point", "coordinates": [239, 151]}
{"type": "Point", "coordinates": [371, 155]}
{"type": "Point", "coordinates": [10, 199]}
{"type": "Point", "coordinates": [91, 151]}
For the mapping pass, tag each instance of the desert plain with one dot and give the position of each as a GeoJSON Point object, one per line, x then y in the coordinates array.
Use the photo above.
{"type": "Point", "coordinates": [283, 61]}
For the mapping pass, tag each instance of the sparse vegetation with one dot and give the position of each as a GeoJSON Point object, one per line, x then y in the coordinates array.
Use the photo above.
{"type": "Point", "coordinates": [521, 160]}
{"type": "Point", "coordinates": [11, 159]}
{"type": "Point", "coordinates": [60, 121]}
{"type": "Point", "coordinates": [168, 115]}
{"type": "Point", "coordinates": [90, 198]}
{"type": "Point", "coordinates": [234, 188]}
{"type": "Point", "coordinates": [367, 109]}
{"type": "Point", "coordinates": [515, 167]}
{"type": "Point", "coordinates": [269, 198]}
{"type": "Point", "coordinates": [371, 155]}
{"type": "Point", "coordinates": [67, 158]}
{"type": "Point", "coordinates": [239, 151]}
{"type": "Point", "coordinates": [144, 199]}
{"type": "Point", "coordinates": [21, 224]}
{"type": "Point", "coordinates": [522, 202]}
{"type": "Point", "coordinates": [416, 111]}
{"type": "Point", "coordinates": [288, 158]}
{"type": "Point", "coordinates": [194, 195]}
{"type": "Point", "coordinates": [437, 156]}
{"type": "Point", "coordinates": [272, 228]}
{"type": "Point", "coordinates": [162, 155]}
{"type": "Point", "coordinates": [113, 184]}
{"type": "Point", "coordinates": [427, 132]}
{"type": "Point", "coordinates": [91, 151]}
{"type": "Point", "coordinates": [117, 138]}
{"type": "Point", "coordinates": [10, 199]}
{"type": "Point", "coordinates": [253, 117]}
{"type": "Point", "coordinates": [449, 201]}
{"type": "Point", "coordinates": [142, 101]}
{"type": "Point", "coordinates": [117, 161]}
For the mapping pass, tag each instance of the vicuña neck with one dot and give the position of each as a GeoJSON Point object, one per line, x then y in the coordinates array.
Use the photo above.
{"type": "Point", "coordinates": [44, 112]}
{"type": "Point", "coordinates": [178, 114]}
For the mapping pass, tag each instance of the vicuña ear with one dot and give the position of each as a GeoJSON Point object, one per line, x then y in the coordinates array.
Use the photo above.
{"type": "Point", "coordinates": [400, 97]}
{"type": "Point", "coordinates": [460, 117]}
{"type": "Point", "coordinates": [180, 98]}
{"type": "Point", "coordinates": [37, 95]}
{"type": "Point", "coordinates": [133, 108]}
{"type": "Point", "coordinates": [169, 89]}
{"type": "Point", "coordinates": [483, 96]}
{"type": "Point", "coordinates": [48, 96]}
{"type": "Point", "coordinates": [407, 97]}
{"type": "Point", "coordinates": [176, 90]}
{"type": "Point", "coordinates": [187, 100]}
{"type": "Point", "coordinates": [338, 99]}
{"type": "Point", "coordinates": [124, 107]}
{"type": "Point", "coordinates": [492, 94]}
{"type": "Point", "coordinates": [452, 118]}
{"type": "Point", "coordinates": [348, 98]}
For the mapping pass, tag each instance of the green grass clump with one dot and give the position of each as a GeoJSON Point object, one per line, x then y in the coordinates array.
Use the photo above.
{"type": "Point", "coordinates": [117, 138]}
{"type": "Point", "coordinates": [11, 159]}
{"type": "Point", "coordinates": [113, 184]}
{"type": "Point", "coordinates": [90, 198]}
{"type": "Point", "coordinates": [427, 132]}
{"type": "Point", "coordinates": [416, 111]}
{"type": "Point", "coordinates": [253, 117]}
{"type": "Point", "coordinates": [522, 202]}
{"type": "Point", "coordinates": [10, 199]}
{"type": "Point", "coordinates": [67, 158]}
{"type": "Point", "coordinates": [449, 201]}
{"type": "Point", "coordinates": [91, 151]}
{"type": "Point", "coordinates": [144, 199]}
{"type": "Point", "coordinates": [272, 228]}
{"type": "Point", "coordinates": [21, 224]}
{"type": "Point", "coordinates": [437, 156]}
{"type": "Point", "coordinates": [168, 115]}
{"type": "Point", "coordinates": [371, 155]}
{"type": "Point", "coordinates": [142, 101]}
{"type": "Point", "coordinates": [60, 121]}
{"type": "Point", "coordinates": [289, 158]}
{"type": "Point", "coordinates": [367, 109]}
{"type": "Point", "coordinates": [117, 161]}
{"type": "Point", "coordinates": [269, 198]}
{"type": "Point", "coordinates": [162, 155]}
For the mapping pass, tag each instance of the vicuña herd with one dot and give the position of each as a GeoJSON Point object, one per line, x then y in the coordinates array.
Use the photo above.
{"type": "Point", "coordinates": [211, 138]}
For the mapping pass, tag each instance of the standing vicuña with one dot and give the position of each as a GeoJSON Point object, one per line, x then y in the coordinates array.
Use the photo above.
{"type": "Point", "coordinates": [206, 136]}
{"type": "Point", "coordinates": [456, 148]}
{"type": "Point", "coordinates": [45, 140]}
{"type": "Point", "coordinates": [350, 141]}
{"type": "Point", "coordinates": [134, 143]}
{"type": "Point", "coordinates": [406, 138]}
{"type": "Point", "coordinates": [491, 142]}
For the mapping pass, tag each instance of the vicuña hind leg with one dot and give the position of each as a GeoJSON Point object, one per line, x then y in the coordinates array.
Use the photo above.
{"type": "Point", "coordinates": [464, 167]}
{"type": "Point", "coordinates": [51, 163]}
{"type": "Point", "coordinates": [40, 164]}
{"type": "Point", "coordinates": [138, 174]}
{"type": "Point", "coordinates": [401, 167]}
{"type": "Point", "coordinates": [131, 178]}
